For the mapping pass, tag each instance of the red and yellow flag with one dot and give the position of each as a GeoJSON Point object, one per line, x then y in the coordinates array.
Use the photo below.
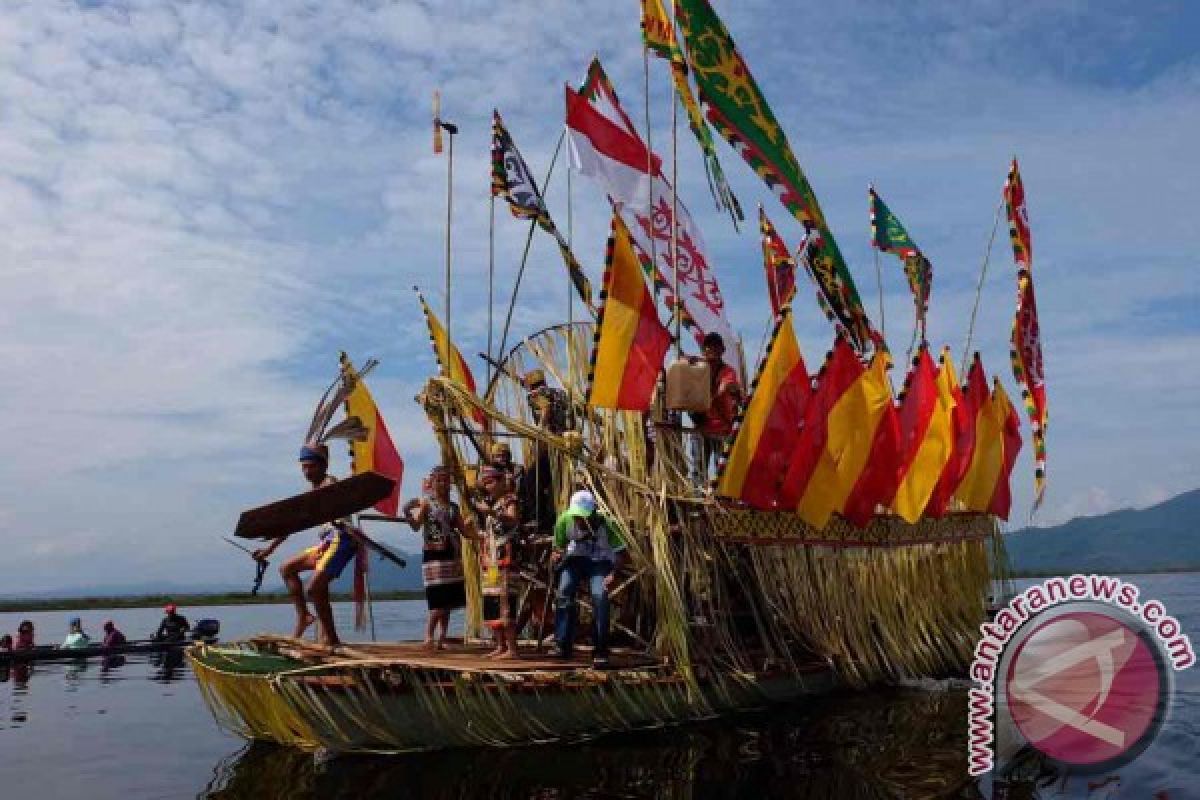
{"type": "Point", "coordinates": [449, 360]}
{"type": "Point", "coordinates": [766, 433]}
{"type": "Point", "coordinates": [630, 340]}
{"type": "Point", "coordinates": [836, 376]}
{"type": "Point", "coordinates": [927, 435]}
{"type": "Point", "coordinates": [374, 452]}
{"type": "Point", "coordinates": [1027, 364]}
{"type": "Point", "coordinates": [985, 487]}
{"type": "Point", "coordinates": [881, 474]}
{"type": "Point", "coordinates": [1002, 408]}
{"type": "Point", "coordinates": [962, 421]}
{"type": "Point", "coordinates": [838, 435]}
{"type": "Point", "coordinates": [779, 264]}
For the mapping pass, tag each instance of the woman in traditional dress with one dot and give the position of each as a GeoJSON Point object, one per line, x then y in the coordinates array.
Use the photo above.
{"type": "Point", "coordinates": [441, 524]}
{"type": "Point", "coordinates": [501, 510]}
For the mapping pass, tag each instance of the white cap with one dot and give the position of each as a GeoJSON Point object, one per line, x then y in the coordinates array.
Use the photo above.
{"type": "Point", "coordinates": [584, 501]}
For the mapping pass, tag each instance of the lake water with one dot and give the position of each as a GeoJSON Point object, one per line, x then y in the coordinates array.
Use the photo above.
{"type": "Point", "coordinates": [141, 731]}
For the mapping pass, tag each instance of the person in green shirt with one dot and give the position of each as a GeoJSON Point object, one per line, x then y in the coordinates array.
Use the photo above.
{"type": "Point", "coordinates": [76, 638]}
{"type": "Point", "coordinates": [588, 547]}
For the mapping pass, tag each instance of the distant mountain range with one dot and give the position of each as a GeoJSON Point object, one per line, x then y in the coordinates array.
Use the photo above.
{"type": "Point", "coordinates": [1159, 538]}
{"type": "Point", "coordinates": [385, 577]}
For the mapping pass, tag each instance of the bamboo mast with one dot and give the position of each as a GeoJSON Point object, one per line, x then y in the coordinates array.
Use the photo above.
{"type": "Point", "coordinates": [491, 278]}
{"type": "Point", "coordinates": [675, 222]}
{"type": "Point", "coordinates": [512, 300]}
{"type": "Point", "coordinates": [987, 254]}
{"type": "Point", "coordinates": [570, 306]}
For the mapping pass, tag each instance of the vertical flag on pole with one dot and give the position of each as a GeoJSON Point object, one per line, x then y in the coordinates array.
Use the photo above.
{"type": "Point", "coordinates": [738, 110]}
{"type": "Point", "coordinates": [1026, 349]}
{"type": "Point", "coordinates": [630, 340]}
{"type": "Point", "coordinates": [449, 360]}
{"type": "Point", "coordinates": [766, 432]}
{"type": "Point", "coordinates": [604, 143]}
{"type": "Point", "coordinates": [512, 180]}
{"type": "Point", "coordinates": [963, 424]}
{"type": "Point", "coordinates": [658, 33]}
{"type": "Point", "coordinates": [927, 435]}
{"type": "Point", "coordinates": [889, 236]}
{"type": "Point", "coordinates": [779, 264]}
{"type": "Point", "coordinates": [373, 449]}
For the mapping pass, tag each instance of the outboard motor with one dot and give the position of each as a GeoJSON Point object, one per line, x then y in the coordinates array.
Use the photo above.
{"type": "Point", "coordinates": [206, 630]}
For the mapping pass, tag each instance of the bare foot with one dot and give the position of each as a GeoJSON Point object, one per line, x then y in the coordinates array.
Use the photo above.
{"type": "Point", "coordinates": [441, 645]}
{"type": "Point", "coordinates": [429, 645]}
{"type": "Point", "coordinates": [509, 655]}
{"type": "Point", "coordinates": [497, 653]}
{"type": "Point", "coordinates": [302, 624]}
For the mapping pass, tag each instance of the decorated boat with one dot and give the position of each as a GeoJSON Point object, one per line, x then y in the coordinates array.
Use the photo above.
{"type": "Point", "coordinates": [846, 536]}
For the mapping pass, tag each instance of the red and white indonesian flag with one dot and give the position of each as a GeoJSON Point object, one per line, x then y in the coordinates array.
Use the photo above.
{"type": "Point", "coordinates": [604, 145]}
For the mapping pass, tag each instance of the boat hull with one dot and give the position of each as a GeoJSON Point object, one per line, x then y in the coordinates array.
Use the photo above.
{"type": "Point", "coordinates": [397, 704]}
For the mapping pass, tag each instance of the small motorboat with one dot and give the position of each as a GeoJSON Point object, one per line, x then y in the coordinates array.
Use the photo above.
{"type": "Point", "coordinates": [205, 630]}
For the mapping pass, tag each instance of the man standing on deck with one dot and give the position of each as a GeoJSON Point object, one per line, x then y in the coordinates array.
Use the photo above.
{"type": "Point", "coordinates": [326, 560]}
{"type": "Point", "coordinates": [589, 548]}
{"type": "Point", "coordinates": [716, 424]}
{"type": "Point", "coordinates": [548, 406]}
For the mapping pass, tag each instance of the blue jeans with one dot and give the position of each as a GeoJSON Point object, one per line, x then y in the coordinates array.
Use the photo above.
{"type": "Point", "coordinates": [575, 570]}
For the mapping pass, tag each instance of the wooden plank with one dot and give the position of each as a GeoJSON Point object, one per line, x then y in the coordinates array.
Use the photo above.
{"type": "Point", "coordinates": [315, 507]}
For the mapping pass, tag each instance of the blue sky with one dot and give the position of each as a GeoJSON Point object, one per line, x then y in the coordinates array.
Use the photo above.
{"type": "Point", "coordinates": [205, 202]}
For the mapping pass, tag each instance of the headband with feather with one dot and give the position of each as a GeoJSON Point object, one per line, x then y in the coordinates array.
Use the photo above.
{"type": "Point", "coordinates": [351, 428]}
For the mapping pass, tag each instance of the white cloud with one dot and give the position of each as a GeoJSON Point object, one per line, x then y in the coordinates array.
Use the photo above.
{"type": "Point", "coordinates": [205, 202]}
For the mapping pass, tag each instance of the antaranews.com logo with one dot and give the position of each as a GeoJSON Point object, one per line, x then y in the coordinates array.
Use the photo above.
{"type": "Point", "coordinates": [1079, 669]}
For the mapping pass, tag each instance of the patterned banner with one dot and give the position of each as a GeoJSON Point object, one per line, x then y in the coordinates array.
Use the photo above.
{"type": "Point", "coordinates": [1026, 340]}
{"type": "Point", "coordinates": [737, 109]}
{"type": "Point", "coordinates": [889, 236]}
{"type": "Point", "coordinates": [512, 180]}
{"type": "Point", "coordinates": [779, 264]}
{"type": "Point", "coordinates": [600, 131]}
{"type": "Point", "coordinates": [658, 33]}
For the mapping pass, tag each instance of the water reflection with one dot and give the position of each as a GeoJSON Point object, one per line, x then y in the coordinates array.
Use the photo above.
{"type": "Point", "coordinates": [898, 744]}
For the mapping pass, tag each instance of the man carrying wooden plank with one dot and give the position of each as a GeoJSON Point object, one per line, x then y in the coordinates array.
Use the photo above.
{"type": "Point", "coordinates": [338, 547]}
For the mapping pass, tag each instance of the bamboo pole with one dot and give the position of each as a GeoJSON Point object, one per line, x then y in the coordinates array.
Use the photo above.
{"type": "Point", "coordinates": [987, 254]}
{"type": "Point", "coordinates": [675, 223]}
{"type": "Point", "coordinates": [512, 301]}
{"type": "Point", "coordinates": [449, 218]}
{"type": "Point", "coordinates": [491, 278]}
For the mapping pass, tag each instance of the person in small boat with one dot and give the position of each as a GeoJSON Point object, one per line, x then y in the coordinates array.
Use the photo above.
{"type": "Point", "coordinates": [173, 627]}
{"type": "Point", "coordinates": [326, 560]}
{"type": "Point", "coordinates": [588, 548]}
{"type": "Point", "coordinates": [716, 424]}
{"type": "Point", "coordinates": [501, 512]}
{"type": "Point", "coordinates": [76, 638]}
{"type": "Point", "coordinates": [24, 636]}
{"type": "Point", "coordinates": [441, 524]}
{"type": "Point", "coordinates": [112, 635]}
